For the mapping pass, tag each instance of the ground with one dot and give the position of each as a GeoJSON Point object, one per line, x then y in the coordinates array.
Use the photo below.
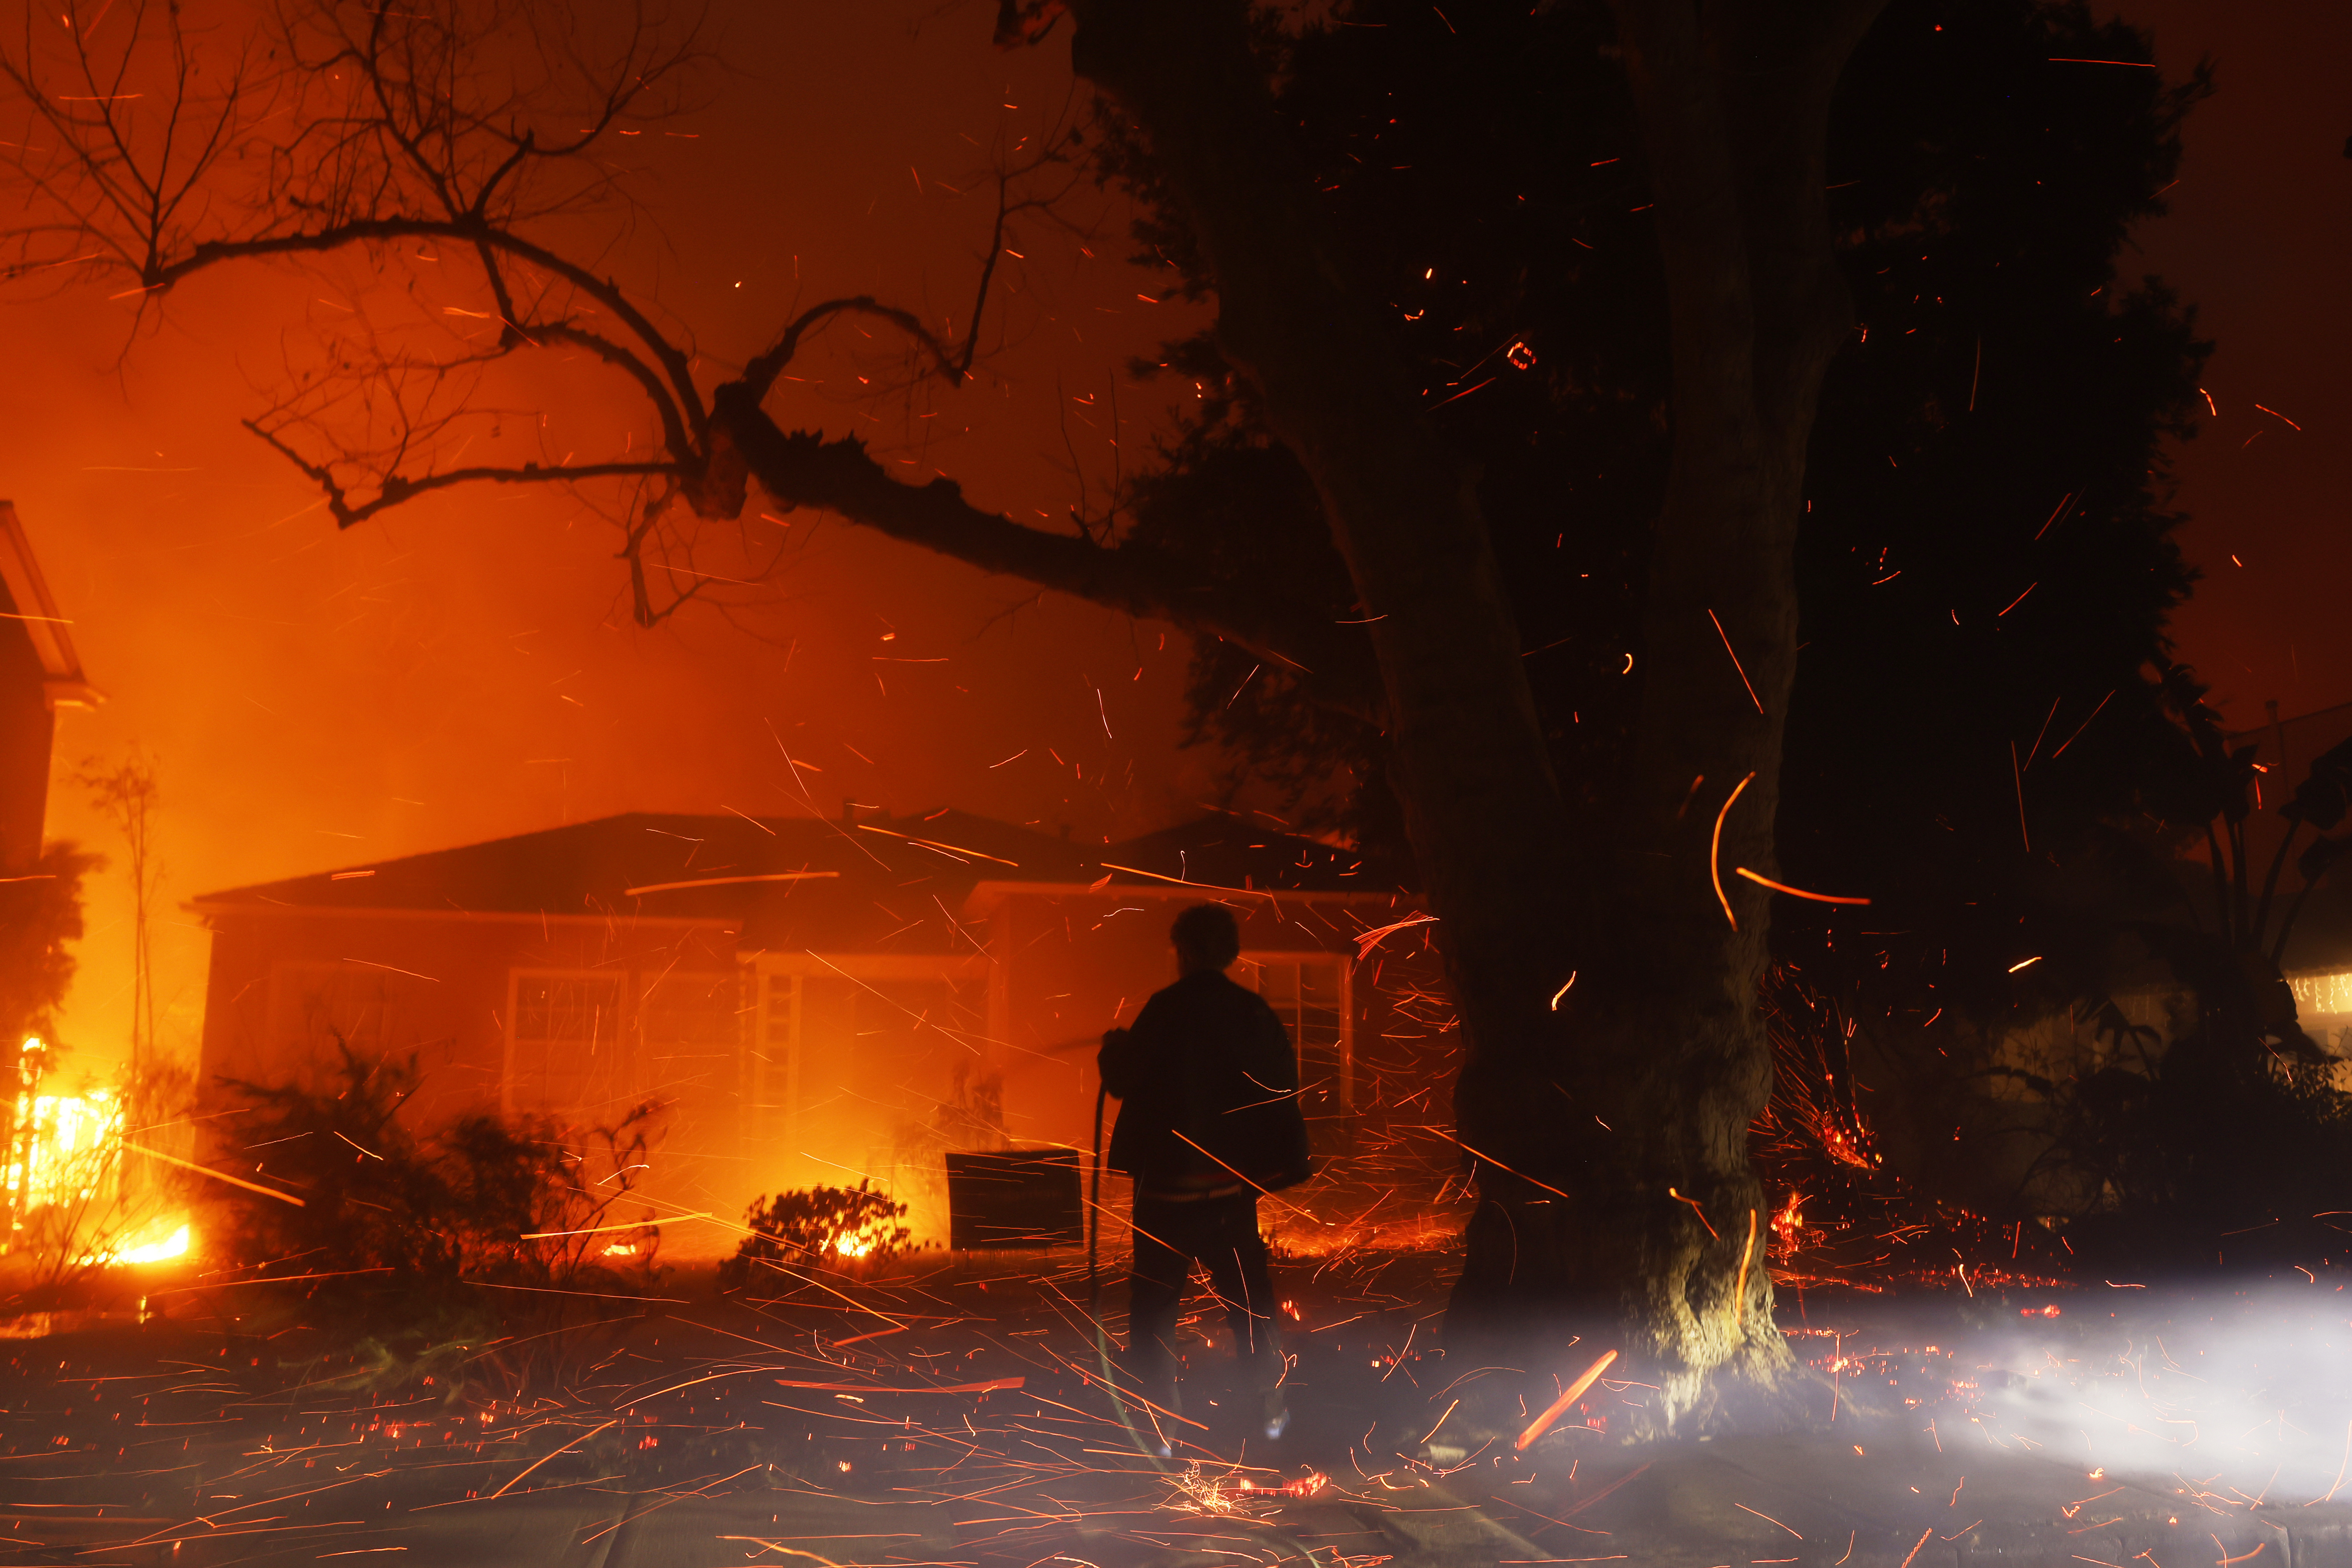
{"type": "Point", "coordinates": [952, 1417]}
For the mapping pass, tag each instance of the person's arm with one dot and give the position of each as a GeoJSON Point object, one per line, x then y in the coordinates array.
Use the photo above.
{"type": "Point", "coordinates": [1116, 1063]}
{"type": "Point", "coordinates": [1120, 1061]}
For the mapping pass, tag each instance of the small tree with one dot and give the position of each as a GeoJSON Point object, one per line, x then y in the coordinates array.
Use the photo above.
{"type": "Point", "coordinates": [126, 794]}
{"type": "Point", "coordinates": [40, 916]}
{"type": "Point", "coordinates": [515, 1201]}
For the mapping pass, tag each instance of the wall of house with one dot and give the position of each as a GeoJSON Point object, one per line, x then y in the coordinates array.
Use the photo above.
{"type": "Point", "coordinates": [1080, 963]}
{"type": "Point", "coordinates": [573, 1019]}
{"type": "Point", "coordinates": [790, 1069]}
{"type": "Point", "coordinates": [27, 728]}
{"type": "Point", "coordinates": [869, 1067]}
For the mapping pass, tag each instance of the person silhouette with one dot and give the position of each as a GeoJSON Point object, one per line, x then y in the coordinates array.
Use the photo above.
{"type": "Point", "coordinates": [1207, 1082]}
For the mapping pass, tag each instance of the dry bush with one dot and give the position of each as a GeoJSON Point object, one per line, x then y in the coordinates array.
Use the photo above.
{"type": "Point", "coordinates": [463, 1254]}
{"type": "Point", "coordinates": [817, 1227]}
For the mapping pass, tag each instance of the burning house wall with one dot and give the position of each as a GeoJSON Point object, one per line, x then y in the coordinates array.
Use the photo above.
{"type": "Point", "coordinates": [78, 1188]}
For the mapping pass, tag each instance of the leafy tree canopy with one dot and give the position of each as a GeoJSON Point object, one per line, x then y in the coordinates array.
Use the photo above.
{"type": "Point", "coordinates": [1987, 563]}
{"type": "Point", "coordinates": [40, 912]}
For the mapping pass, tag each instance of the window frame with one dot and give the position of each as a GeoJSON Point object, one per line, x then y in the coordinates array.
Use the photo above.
{"type": "Point", "coordinates": [1298, 959]}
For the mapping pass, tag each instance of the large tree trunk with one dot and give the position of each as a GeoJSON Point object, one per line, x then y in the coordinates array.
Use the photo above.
{"type": "Point", "coordinates": [1666, 1231]}
{"type": "Point", "coordinates": [1609, 1123]}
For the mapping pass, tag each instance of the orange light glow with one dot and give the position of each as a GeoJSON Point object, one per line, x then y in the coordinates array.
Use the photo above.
{"type": "Point", "coordinates": [1797, 892]}
{"type": "Point", "coordinates": [1715, 850]}
{"type": "Point", "coordinates": [177, 1244]}
{"type": "Point", "coordinates": [69, 1146]}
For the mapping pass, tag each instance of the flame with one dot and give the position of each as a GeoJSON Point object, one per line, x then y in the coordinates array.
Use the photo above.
{"type": "Point", "coordinates": [1790, 1219]}
{"type": "Point", "coordinates": [67, 1146]}
{"type": "Point", "coordinates": [852, 1245]}
{"type": "Point", "coordinates": [176, 1245]}
{"type": "Point", "coordinates": [66, 1150]}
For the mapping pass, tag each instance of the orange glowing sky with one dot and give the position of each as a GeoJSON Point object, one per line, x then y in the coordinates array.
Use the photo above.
{"type": "Point", "coordinates": [464, 667]}
{"type": "Point", "coordinates": [2258, 236]}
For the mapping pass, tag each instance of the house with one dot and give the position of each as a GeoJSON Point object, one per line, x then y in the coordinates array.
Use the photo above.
{"type": "Point", "coordinates": [39, 673]}
{"type": "Point", "coordinates": [2318, 953]}
{"type": "Point", "coordinates": [812, 1001]}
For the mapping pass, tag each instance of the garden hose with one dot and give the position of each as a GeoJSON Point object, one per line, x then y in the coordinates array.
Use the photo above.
{"type": "Point", "coordinates": [1094, 1290]}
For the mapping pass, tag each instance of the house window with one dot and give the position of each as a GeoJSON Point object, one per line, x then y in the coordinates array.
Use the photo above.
{"type": "Point", "coordinates": [564, 1048]}
{"type": "Point", "coordinates": [1310, 993]}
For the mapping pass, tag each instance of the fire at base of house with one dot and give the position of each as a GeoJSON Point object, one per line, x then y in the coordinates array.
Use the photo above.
{"type": "Point", "coordinates": [812, 1002]}
{"type": "Point", "coordinates": [65, 1184]}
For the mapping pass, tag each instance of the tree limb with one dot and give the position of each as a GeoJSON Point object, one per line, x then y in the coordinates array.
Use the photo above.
{"type": "Point", "coordinates": [802, 468]}
{"type": "Point", "coordinates": [469, 231]}
{"type": "Point", "coordinates": [395, 488]}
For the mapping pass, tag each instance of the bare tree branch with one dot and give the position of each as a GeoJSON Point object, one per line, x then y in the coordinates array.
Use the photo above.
{"type": "Point", "coordinates": [364, 128]}
{"type": "Point", "coordinates": [396, 489]}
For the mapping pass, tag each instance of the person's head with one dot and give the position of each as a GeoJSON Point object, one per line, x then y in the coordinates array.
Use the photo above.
{"type": "Point", "coordinates": [1207, 940]}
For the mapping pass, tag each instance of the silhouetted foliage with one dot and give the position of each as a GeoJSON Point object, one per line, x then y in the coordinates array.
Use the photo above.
{"type": "Point", "coordinates": [40, 914]}
{"type": "Point", "coordinates": [1996, 428]}
{"type": "Point", "coordinates": [2217, 1138]}
{"type": "Point", "coordinates": [391, 1213]}
{"type": "Point", "coordinates": [808, 1229]}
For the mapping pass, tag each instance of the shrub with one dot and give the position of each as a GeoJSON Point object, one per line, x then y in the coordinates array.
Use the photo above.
{"type": "Point", "coordinates": [818, 1226]}
{"type": "Point", "coordinates": [392, 1213]}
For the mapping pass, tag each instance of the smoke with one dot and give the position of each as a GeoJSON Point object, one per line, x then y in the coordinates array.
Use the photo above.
{"type": "Point", "coordinates": [464, 667]}
{"type": "Point", "coordinates": [2246, 1397]}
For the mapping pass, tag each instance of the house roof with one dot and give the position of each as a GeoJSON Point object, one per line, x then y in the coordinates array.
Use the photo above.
{"type": "Point", "coordinates": [1227, 852]}
{"type": "Point", "coordinates": [860, 883]}
{"type": "Point", "coordinates": [31, 607]}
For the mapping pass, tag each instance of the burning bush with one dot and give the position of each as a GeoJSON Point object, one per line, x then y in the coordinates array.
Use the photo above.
{"type": "Point", "coordinates": [817, 1226]}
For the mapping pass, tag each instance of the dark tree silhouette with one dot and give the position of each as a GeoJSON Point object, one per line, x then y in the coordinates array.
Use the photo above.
{"type": "Point", "coordinates": [1996, 432]}
{"type": "Point", "coordinates": [1486, 169]}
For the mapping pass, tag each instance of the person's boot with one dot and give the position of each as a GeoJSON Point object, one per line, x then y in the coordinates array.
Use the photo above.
{"type": "Point", "coordinates": [1275, 1410]}
{"type": "Point", "coordinates": [1266, 1370]}
{"type": "Point", "coordinates": [1151, 1395]}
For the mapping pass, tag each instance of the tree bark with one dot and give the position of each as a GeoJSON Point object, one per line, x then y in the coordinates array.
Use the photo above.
{"type": "Point", "coordinates": [1671, 1222]}
{"type": "Point", "coordinates": [1609, 1120]}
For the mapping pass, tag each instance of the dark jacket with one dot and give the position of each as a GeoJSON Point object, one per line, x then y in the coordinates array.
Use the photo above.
{"type": "Point", "coordinates": [1206, 1058]}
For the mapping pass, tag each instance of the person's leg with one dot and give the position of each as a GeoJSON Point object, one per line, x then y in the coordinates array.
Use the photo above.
{"type": "Point", "coordinates": [1155, 1299]}
{"type": "Point", "coordinates": [1236, 1258]}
